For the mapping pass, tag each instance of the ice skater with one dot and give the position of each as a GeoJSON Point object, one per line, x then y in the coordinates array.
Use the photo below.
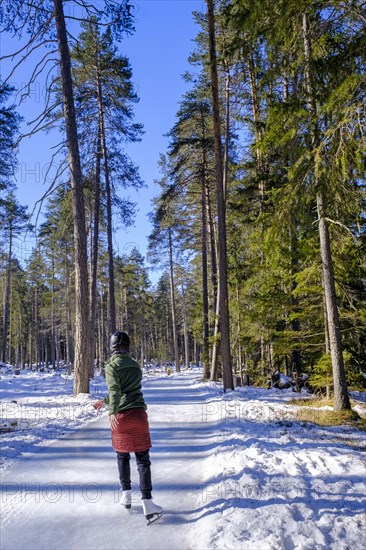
{"type": "Point", "coordinates": [129, 422]}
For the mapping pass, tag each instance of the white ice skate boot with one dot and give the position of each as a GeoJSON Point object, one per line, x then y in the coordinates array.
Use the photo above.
{"type": "Point", "coordinates": [152, 511]}
{"type": "Point", "coordinates": [126, 498]}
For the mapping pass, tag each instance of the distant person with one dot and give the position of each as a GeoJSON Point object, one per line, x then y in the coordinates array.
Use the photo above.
{"type": "Point", "coordinates": [129, 422]}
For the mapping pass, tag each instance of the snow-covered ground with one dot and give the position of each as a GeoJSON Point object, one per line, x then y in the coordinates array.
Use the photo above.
{"type": "Point", "coordinates": [239, 470]}
{"type": "Point", "coordinates": [38, 407]}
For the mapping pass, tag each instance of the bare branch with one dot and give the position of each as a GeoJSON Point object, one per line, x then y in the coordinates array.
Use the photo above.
{"type": "Point", "coordinates": [40, 201]}
{"type": "Point", "coordinates": [34, 75]}
{"type": "Point", "coordinates": [35, 130]}
{"type": "Point", "coordinates": [49, 86]}
{"type": "Point", "coordinates": [61, 168]}
{"type": "Point", "coordinates": [73, 38]}
{"type": "Point", "coordinates": [14, 54]}
{"type": "Point", "coordinates": [342, 225]}
{"type": "Point", "coordinates": [24, 58]}
{"type": "Point", "coordinates": [44, 113]}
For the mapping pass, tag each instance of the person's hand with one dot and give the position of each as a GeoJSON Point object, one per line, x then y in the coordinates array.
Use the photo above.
{"type": "Point", "coordinates": [99, 404]}
{"type": "Point", "coordinates": [113, 420]}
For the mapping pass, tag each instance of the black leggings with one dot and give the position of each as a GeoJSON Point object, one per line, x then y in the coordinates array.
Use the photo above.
{"type": "Point", "coordinates": [143, 466]}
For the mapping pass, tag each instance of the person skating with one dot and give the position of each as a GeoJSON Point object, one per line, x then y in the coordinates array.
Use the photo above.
{"type": "Point", "coordinates": [129, 422]}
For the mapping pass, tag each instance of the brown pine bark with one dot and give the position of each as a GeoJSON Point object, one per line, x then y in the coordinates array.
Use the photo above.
{"type": "Point", "coordinates": [94, 271]}
{"type": "Point", "coordinates": [111, 290]}
{"type": "Point", "coordinates": [296, 362]}
{"type": "Point", "coordinates": [172, 295]}
{"type": "Point", "coordinates": [227, 131]}
{"type": "Point", "coordinates": [257, 129]}
{"type": "Point", "coordinates": [221, 210]}
{"type": "Point", "coordinates": [212, 240]}
{"type": "Point", "coordinates": [82, 354]}
{"type": "Point", "coordinates": [7, 297]}
{"type": "Point", "coordinates": [205, 345]}
{"type": "Point", "coordinates": [69, 342]}
{"type": "Point", "coordinates": [341, 398]}
{"type": "Point", "coordinates": [214, 364]}
{"type": "Point", "coordinates": [185, 328]}
{"type": "Point", "coordinates": [214, 281]}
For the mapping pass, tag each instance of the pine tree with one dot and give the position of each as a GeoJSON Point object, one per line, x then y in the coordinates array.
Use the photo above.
{"type": "Point", "coordinates": [162, 240]}
{"type": "Point", "coordinates": [13, 220]}
{"type": "Point", "coordinates": [221, 210]}
{"type": "Point", "coordinates": [105, 103]}
{"type": "Point", "coordinates": [42, 26]}
{"type": "Point", "coordinates": [191, 154]}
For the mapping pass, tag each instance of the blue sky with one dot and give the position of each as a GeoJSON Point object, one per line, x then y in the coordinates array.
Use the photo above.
{"type": "Point", "coordinates": [158, 52]}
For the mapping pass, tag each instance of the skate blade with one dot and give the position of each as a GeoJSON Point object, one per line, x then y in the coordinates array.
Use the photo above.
{"type": "Point", "coordinates": [151, 518]}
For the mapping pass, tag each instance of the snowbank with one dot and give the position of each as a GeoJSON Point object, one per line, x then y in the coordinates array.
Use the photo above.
{"type": "Point", "coordinates": [38, 407]}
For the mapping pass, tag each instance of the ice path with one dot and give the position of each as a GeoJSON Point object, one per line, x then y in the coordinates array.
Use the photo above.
{"type": "Point", "coordinates": [228, 474]}
{"type": "Point", "coordinates": [66, 495]}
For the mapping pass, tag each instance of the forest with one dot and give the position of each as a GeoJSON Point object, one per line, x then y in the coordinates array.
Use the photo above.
{"type": "Point", "coordinates": [258, 230]}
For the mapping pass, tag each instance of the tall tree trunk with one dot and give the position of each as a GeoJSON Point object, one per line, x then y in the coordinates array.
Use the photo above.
{"type": "Point", "coordinates": [53, 328]}
{"type": "Point", "coordinates": [214, 281]}
{"type": "Point", "coordinates": [111, 290]}
{"type": "Point", "coordinates": [102, 327]}
{"type": "Point", "coordinates": [69, 340]}
{"type": "Point", "coordinates": [214, 364]}
{"type": "Point", "coordinates": [23, 353]}
{"type": "Point", "coordinates": [211, 230]}
{"type": "Point", "coordinates": [205, 348]}
{"type": "Point", "coordinates": [257, 129]}
{"type": "Point", "coordinates": [82, 352]}
{"type": "Point", "coordinates": [36, 324]}
{"type": "Point", "coordinates": [7, 297]}
{"type": "Point", "coordinates": [227, 131]}
{"type": "Point", "coordinates": [221, 210]}
{"type": "Point", "coordinates": [341, 398]}
{"type": "Point", "coordinates": [260, 171]}
{"type": "Point", "coordinates": [185, 327]}
{"type": "Point", "coordinates": [30, 361]}
{"type": "Point", "coordinates": [326, 330]}
{"type": "Point", "coordinates": [296, 363]}
{"type": "Point", "coordinates": [239, 364]}
{"type": "Point", "coordinates": [195, 351]}
{"type": "Point", "coordinates": [172, 294]}
{"type": "Point", "coordinates": [94, 273]}
{"type": "Point", "coordinates": [168, 338]}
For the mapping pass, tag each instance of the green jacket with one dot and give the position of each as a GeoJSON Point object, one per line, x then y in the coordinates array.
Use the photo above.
{"type": "Point", "coordinates": [123, 376]}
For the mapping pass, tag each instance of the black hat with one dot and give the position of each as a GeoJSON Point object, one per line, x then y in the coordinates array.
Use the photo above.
{"type": "Point", "coordinates": [119, 340]}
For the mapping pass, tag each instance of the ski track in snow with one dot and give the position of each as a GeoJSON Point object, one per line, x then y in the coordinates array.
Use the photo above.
{"type": "Point", "coordinates": [232, 471]}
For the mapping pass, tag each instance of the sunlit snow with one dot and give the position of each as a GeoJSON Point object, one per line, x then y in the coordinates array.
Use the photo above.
{"type": "Point", "coordinates": [239, 470]}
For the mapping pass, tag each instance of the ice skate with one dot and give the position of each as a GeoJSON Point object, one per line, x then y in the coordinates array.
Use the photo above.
{"type": "Point", "coordinates": [126, 498]}
{"type": "Point", "coordinates": [152, 511]}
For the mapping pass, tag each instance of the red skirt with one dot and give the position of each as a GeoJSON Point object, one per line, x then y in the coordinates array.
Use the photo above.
{"type": "Point", "coordinates": [132, 433]}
